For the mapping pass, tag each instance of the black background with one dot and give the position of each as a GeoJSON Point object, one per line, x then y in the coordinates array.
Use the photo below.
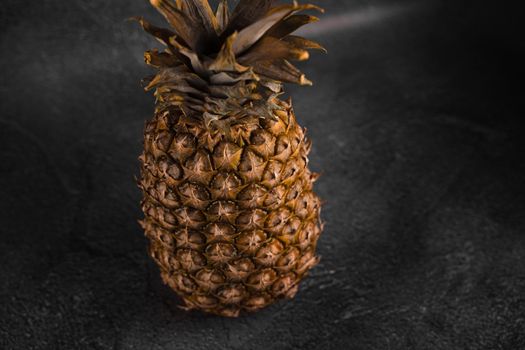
{"type": "Point", "coordinates": [416, 120]}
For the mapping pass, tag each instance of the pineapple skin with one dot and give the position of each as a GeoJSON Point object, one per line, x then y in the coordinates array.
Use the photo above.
{"type": "Point", "coordinates": [231, 217]}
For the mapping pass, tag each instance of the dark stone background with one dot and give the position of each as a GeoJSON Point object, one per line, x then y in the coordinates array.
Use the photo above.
{"type": "Point", "coordinates": [415, 118]}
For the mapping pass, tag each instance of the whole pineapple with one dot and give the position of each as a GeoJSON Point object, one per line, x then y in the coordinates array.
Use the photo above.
{"type": "Point", "coordinates": [228, 200]}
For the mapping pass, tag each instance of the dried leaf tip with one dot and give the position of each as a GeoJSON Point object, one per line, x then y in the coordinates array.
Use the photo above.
{"type": "Point", "coordinates": [304, 81]}
{"type": "Point", "coordinates": [223, 15]}
{"type": "Point", "coordinates": [164, 5]}
{"type": "Point", "coordinates": [303, 56]}
{"type": "Point", "coordinates": [308, 6]}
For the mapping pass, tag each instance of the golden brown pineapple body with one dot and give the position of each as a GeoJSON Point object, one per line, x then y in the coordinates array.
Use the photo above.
{"type": "Point", "coordinates": [233, 223]}
{"type": "Point", "coordinates": [229, 209]}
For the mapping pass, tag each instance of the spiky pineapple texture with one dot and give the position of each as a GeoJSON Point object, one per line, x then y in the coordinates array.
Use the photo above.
{"type": "Point", "coordinates": [229, 209]}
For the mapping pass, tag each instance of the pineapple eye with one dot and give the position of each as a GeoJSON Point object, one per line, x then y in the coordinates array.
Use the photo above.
{"type": "Point", "coordinates": [232, 294]}
{"type": "Point", "coordinates": [190, 260]}
{"type": "Point", "coordinates": [282, 146]}
{"type": "Point", "coordinates": [163, 141]}
{"type": "Point", "coordinates": [296, 141]}
{"type": "Point", "coordinates": [259, 137]}
{"type": "Point", "coordinates": [166, 239]}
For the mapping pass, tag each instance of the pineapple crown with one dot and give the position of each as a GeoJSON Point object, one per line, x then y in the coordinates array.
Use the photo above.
{"type": "Point", "coordinates": [223, 65]}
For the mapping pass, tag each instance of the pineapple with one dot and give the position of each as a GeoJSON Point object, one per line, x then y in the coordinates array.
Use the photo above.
{"type": "Point", "coordinates": [229, 209]}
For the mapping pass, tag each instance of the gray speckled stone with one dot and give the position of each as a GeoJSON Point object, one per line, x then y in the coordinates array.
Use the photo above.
{"type": "Point", "coordinates": [415, 118]}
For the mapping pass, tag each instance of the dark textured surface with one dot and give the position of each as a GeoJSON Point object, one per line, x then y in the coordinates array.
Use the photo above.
{"type": "Point", "coordinates": [415, 118]}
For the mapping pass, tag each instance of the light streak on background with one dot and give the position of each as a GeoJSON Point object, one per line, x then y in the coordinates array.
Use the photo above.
{"type": "Point", "coordinates": [361, 18]}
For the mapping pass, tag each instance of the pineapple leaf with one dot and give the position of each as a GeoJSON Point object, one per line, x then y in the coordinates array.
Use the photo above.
{"type": "Point", "coordinates": [223, 78]}
{"type": "Point", "coordinates": [200, 12]}
{"type": "Point", "coordinates": [223, 15]}
{"type": "Point", "coordinates": [302, 43]}
{"type": "Point", "coordinates": [247, 12]}
{"type": "Point", "coordinates": [167, 76]}
{"type": "Point", "coordinates": [251, 34]}
{"type": "Point", "coordinates": [196, 63]}
{"type": "Point", "coordinates": [290, 25]}
{"type": "Point", "coordinates": [298, 7]}
{"type": "Point", "coordinates": [162, 59]}
{"type": "Point", "coordinates": [281, 70]}
{"type": "Point", "coordinates": [165, 36]}
{"type": "Point", "coordinates": [184, 27]}
{"type": "Point", "coordinates": [225, 60]}
{"type": "Point", "coordinates": [161, 34]}
{"type": "Point", "coordinates": [269, 48]}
